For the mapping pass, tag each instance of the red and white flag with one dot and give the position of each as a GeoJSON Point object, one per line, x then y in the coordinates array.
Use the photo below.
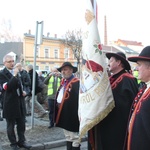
{"type": "Point", "coordinates": [95, 97]}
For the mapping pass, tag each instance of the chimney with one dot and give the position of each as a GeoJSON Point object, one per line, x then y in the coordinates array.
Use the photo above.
{"type": "Point", "coordinates": [105, 31]}
{"type": "Point", "coordinates": [48, 34]}
{"type": "Point", "coordinates": [55, 35]}
{"type": "Point", "coordinates": [29, 31]}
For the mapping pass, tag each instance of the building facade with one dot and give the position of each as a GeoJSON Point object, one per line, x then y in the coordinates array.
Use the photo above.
{"type": "Point", "coordinates": [51, 53]}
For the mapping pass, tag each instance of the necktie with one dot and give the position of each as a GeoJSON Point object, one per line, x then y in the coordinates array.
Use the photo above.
{"type": "Point", "coordinates": [138, 96]}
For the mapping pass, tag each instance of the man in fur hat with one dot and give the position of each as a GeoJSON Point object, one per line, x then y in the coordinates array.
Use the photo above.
{"type": "Point", "coordinates": [67, 105]}
{"type": "Point", "coordinates": [124, 88]}
{"type": "Point", "coordinates": [139, 124]}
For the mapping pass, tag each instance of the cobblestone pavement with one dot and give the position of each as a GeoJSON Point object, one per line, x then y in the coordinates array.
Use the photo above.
{"type": "Point", "coordinates": [38, 135]}
{"type": "Point", "coordinates": [83, 147]}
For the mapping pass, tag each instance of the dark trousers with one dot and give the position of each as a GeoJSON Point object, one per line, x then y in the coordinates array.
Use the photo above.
{"type": "Point", "coordinates": [51, 111]}
{"type": "Point", "coordinates": [20, 128]}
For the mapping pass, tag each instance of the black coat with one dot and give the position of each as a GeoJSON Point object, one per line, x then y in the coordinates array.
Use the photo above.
{"type": "Point", "coordinates": [139, 129]}
{"type": "Point", "coordinates": [26, 81]}
{"type": "Point", "coordinates": [13, 101]}
{"type": "Point", "coordinates": [113, 127]}
{"type": "Point", "coordinates": [67, 115]}
{"type": "Point", "coordinates": [36, 81]}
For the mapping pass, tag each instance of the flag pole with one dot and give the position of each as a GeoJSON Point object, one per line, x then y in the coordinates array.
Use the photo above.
{"type": "Point", "coordinates": [95, 129]}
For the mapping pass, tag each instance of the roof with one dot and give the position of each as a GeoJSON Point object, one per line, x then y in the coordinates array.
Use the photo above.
{"type": "Point", "coordinates": [128, 50]}
{"type": "Point", "coordinates": [110, 49]}
{"type": "Point", "coordinates": [126, 42]}
{"type": "Point", "coordinates": [7, 47]}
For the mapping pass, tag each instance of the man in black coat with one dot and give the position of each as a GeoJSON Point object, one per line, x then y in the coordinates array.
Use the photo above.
{"type": "Point", "coordinates": [41, 111]}
{"type": "Point", "coordinates": [139, 123]}
{"type": "Point", "coordinates": [124, 88]}
{"type": "Point", "coordinates": [13, 103]}
{"type": "Point", "coordinates": [67, 104]}
{"type": "Point", "coordinates": [26, 82]}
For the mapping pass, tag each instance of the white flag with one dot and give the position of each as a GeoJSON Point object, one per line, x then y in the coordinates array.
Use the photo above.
{"type": "Point", "coordinates": [95, 97]}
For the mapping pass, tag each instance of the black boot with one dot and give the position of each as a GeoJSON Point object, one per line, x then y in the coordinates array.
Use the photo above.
{"type": "Point", "coordinates": [69, 145]}
{"type": "Point", "coordinates": [76, 148]}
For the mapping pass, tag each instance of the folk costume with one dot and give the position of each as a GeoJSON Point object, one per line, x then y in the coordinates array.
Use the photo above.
{"type": "Point", "coordinates": [67, 116]}
{"type": "Point", "coordinates": [139, 124]}
{"type": "Point", "coordinates": [67, 108]}
{"type": "Point", "coordinates": [124, 88]}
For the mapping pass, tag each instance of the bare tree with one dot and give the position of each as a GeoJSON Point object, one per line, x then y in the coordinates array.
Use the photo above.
{"type": "Point", "coordinates": [73, 39]}
{"type": "Point", "coordinates": [6, 32]}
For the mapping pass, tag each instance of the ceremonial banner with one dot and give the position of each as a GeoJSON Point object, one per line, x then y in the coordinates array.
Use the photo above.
{"type": "Point", "coordinates": [94, 4]}
{"type": "Point", "coordinates": [95, 97]}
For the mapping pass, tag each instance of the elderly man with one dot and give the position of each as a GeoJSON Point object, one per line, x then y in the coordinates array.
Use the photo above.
{"type": "Point", "coordinates": [13, 103]}
{"type": "Point", "coordinates": [139, 125]}
{"type": "Point", "coordinates": [67, 105]}
{"type": "Point", "coordinates": [124, 88]}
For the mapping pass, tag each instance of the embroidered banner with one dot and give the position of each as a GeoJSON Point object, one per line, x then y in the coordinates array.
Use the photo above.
{"type": "Point", "coordinates": [95, 97]}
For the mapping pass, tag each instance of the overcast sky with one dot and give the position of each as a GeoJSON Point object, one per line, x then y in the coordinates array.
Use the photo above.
{"type": "Point", "coordinates": [126, 19]}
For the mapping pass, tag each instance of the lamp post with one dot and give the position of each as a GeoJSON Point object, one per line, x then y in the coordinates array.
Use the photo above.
{"type": "Point", "coordinates": [38, 41]}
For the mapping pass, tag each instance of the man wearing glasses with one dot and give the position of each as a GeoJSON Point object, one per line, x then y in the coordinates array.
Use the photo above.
{"type": "Point", "coordinates": [13, 103]}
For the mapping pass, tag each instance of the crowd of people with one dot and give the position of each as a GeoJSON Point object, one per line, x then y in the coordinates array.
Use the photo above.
{"type": "Point", "coordinates": [126, 127]}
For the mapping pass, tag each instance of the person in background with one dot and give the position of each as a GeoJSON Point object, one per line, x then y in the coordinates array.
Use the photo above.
{"type": "Point", "coordinates": [67, 105]}
{"type": "Point", "coordinates": [41, 96]}
{"type": "Point", "coordinates": [124, 87]}
{"type": "Point", "coordinates": [53, 82]}
{"type": "Point", "coordinates": [136, 74]}
{"type": "Point", "coordinates": [41, 111]}
{"type": "Point", "coordinates": [41, 76]}
{"type": "Point", "coordinates": [1, 103]}
{"type": "Point", "coordinates": [13, 103]}
{"type": "Point", "coordinates": [26, 82]}
{"type": "Point", "coordinates": [139, 124]}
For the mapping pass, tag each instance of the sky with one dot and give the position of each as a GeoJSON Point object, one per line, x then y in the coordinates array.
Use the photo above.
{"type": "Point", "coordinates": [126, 19]}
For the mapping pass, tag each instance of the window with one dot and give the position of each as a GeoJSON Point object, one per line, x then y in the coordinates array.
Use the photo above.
{"type": "Point", "coordinates": [56, 53]}
{"type": "Point", "coordinates": [66, 53]}
{"type": "Point", "coordinates": [47, 68]}
{"type": "Point", "coordinates": [46, 52]}
{"type": "Point", "coordinates": [37, 68]}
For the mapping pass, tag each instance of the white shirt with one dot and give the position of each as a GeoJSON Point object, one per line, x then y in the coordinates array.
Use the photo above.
{"type": "Point", "coordinates": [148, 86]}
{"type": "Point", "coordinates": [60, 95]}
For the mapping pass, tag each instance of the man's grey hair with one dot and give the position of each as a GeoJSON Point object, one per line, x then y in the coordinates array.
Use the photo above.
{"type": "Point", "coordinates": [30, 66]}
{"type": "Point", "coordinates": [7, 56]}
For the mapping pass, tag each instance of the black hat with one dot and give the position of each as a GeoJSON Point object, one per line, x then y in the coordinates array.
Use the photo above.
{"type": "Point", "coordinates": [121, 56]}
{"type": "Point", "coordinates": [67, 64]}
{"type": "Point", "coordinates": [144, 55]}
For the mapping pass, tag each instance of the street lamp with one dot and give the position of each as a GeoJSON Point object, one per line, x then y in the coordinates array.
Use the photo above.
{"type": "Point", "coordinates": [38, 41]}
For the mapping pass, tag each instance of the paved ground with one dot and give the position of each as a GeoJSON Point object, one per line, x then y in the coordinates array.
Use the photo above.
{"type": "Point", "coordinates": [83, 147]}
{"type": "Point", "coordinates": [40, 137]}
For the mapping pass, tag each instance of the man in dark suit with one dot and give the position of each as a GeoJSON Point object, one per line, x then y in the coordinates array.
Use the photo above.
{"type": "Point", "coordinates": [13, 103]}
